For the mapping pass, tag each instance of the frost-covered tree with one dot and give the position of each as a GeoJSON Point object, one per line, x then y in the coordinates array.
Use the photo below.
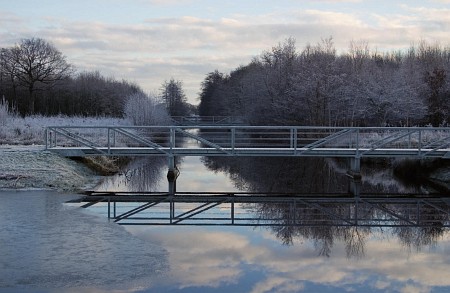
{"type": "Point", "coordinates": [142, 109]}
{"type": "Point", "coordinates": [319, 87]}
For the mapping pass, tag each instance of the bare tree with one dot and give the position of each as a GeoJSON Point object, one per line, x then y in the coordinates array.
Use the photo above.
{"type": "Point", "coordinates": [36, 64]}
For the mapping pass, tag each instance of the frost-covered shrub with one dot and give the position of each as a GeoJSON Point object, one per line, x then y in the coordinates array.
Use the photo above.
{"type": "Point", "coordinates": [31, 129]}
{"type": "Point", "coordinates": [5, 113]}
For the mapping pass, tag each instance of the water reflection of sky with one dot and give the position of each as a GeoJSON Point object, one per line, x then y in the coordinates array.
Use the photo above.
{"type": "Point", "coordinates": [194, 176]}
{"type": "Point", "coordinates": [253, 260]}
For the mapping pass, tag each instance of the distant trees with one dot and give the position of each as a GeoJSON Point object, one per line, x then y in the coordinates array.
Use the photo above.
{"type": "Point", "coordinates": [105, 96]}
{"type": "Point", "coordinates": [209, 101]}
{"type": "Point", "coordinates": [35, 78]}
{"type": "Point", "coordinates": [316, 86]}
{"type": "Point", "coordinates": [173, 97]}
{"type": "Point", "coordinates": [142, 109]}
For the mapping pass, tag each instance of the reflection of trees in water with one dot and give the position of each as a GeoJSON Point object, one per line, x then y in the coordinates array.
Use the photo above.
{"type": "Point", "coordinates": [303, 222]}
{"type": "Point", "coordinates": [419, 237]}
{"type": "Point", "coordinates": [267, 174]}
{"type": "Point", "coordinates": [315, 176]}
{"type": "Point", "coordinates": [141, 174]}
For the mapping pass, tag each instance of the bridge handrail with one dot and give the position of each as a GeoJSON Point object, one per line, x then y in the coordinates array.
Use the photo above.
{"type": "Point", "coordinates": [207, 120]}
{"type": "Point", "coordinates": [226, 140]}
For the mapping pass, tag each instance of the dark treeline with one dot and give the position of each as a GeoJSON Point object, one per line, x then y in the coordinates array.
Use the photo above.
{"type": "Point", "coordinates": [35, 78]}
{"type": "Point", "coordinates": [316, 86]}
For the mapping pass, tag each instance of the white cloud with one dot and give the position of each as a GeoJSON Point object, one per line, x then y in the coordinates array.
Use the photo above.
{"type": "Point", "coordinates": [188, 47]}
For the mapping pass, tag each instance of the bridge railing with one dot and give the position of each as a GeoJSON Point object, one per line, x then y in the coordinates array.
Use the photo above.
{"type": "Point", "coordinates": [257, 209]}
{"type": "Point", "coordinates": [206, 120]}
{"type": "Point", "coordinates": [231, 140]}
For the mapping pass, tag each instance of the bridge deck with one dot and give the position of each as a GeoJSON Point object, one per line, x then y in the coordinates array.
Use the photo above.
{"type": "Point", "coordinates": [268, 152]}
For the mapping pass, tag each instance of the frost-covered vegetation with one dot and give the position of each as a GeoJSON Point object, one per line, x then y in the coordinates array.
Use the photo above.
{"type": "Point", "coordinates": [141, 109]}
{"type": "Point", "coordinates": [318, 86]}
{"type": "Point", "coordinates": [16, 130]}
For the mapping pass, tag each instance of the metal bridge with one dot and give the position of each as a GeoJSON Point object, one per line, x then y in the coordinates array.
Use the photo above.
{"type": "Point", "coordinates": [283, 210]}
{"type": "Point", "coordinates": [287, 141]}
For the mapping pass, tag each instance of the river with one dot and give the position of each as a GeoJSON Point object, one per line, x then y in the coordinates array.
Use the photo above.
{"type": "Point", "coordinates": [48, 245]}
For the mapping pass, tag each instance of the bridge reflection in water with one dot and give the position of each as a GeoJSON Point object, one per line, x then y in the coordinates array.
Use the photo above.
{"type": "Point", "coordinates": [256, 209]}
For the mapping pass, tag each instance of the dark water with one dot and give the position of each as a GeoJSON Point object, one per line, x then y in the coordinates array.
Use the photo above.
{"type": "Point", "coordinates": [48, 245]}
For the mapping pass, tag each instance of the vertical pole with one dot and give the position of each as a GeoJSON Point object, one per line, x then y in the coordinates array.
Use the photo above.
{"type": "Point", "coordinates": [356, 165]}
{"type": "Point", "coordinates": [232, 211]}
{"type": "Point", "coordinates": [109, 207]}
{"type": "Point", "coordinates": [109, 141]}
{"type": "Point", "coordinates": [114, 138]}
{"type": "Point", "coordinates": [233, 139]}
{"type": "Point", "coordinates": [46, 138]}
{"type": "Point", "coordinates": [172, 175]}
{"type": "Point", "coordinates": [172, 172]}
{"type": "Point", "coordinates": [420, 142]}
{"type": "Point", "coordinates": [295, 141]}
{"type": "Point", "coordinates": [291, 140]}
{"type": "Point", "coordinates": [355, 176]}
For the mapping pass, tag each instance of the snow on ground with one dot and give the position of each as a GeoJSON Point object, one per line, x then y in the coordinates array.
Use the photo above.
{"type": "Point", "coordinates": [25, 164]}
{"type": "Point", "coordinates": [25, 167]}
{"type": "Point", "coordinates": [31, 129]}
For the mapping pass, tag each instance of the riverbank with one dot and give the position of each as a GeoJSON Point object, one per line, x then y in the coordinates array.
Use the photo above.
{"type": "Point", "coordinates": [31, 167]}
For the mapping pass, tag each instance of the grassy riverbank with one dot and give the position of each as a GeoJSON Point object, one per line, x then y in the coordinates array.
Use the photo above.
{"type": "Point", "coordinates": [25, 164]}
{"type": "Point", "coordinates": [28, 167]}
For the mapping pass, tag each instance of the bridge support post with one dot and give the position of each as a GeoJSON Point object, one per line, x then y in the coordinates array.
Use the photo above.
{"type": "Point", "coordinates": [172, 175]}
{"type": "Point", "coordinates": [355, 176]}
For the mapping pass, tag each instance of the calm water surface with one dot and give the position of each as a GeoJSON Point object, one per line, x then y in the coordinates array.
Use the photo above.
{"type": "Point", "coordinates": [48, 246]}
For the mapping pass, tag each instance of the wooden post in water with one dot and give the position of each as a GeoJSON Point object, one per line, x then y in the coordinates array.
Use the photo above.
{"type": "Point", "coordinates": [172, 175]}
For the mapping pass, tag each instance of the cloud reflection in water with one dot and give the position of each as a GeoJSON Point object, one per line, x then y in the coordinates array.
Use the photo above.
{"type": "Point", "coordinates": [204, 257]}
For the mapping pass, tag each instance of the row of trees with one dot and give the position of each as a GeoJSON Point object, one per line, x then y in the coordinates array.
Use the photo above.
{"type": "Point", "coordinates": [36, 78]}
{"type": "Point", "coordinates": [319, 87]}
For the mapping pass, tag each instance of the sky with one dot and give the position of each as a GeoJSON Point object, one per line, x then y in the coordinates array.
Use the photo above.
{"type": "Point", "coordinates": [149, 42]}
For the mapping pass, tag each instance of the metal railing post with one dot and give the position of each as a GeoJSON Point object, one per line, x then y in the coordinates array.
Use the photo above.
{"type": "Point", "coordinates": [46, 138]}
{"type": "Point", "coordinates": [109, 140]}
{"type": "Point", "coordinates": [233, 138]}
{"type": "Point", "coordinates": [295, 140]}
{"type": "Point", "coordinates": [420, 142]}
{"type": "Point", "coordinates": [172, 139]}
{"type": "Point", "coordinates": [357, 141]}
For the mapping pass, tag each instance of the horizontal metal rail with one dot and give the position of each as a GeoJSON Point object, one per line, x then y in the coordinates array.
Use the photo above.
{"type": "Point", "coordinates": [353, 142]}
{"type": "Point", "coordinates": [250, 209]}
{"type": "Point", "coordinates": [206, 120]}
